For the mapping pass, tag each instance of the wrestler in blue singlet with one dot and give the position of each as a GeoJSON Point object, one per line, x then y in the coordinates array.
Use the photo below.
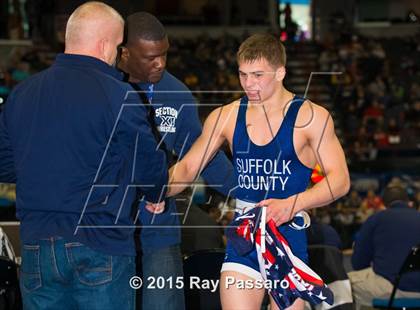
{"type": "Point", "coordinates": [268, 171]}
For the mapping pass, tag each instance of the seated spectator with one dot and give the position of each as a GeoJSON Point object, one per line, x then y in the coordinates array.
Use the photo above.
{"type": "Point", "coordinates": [353, 201]}
{"type": "Point", "coordinates": [415, 90]}
{"type": "Point", "coordinates": [381, 137]}
{"type": "Point", "coordinates": [374, 111]}
{"type": "Point", "coordinates": [352, 121]}
{"type": "Point", "coordinates": [4, 87]}
{"type": "Point", "coordinates": [322, 234]}
{"type": "Point", "coordinates": [323, 216]}
{"type": "Point", "coordinates": [416, 201]}
{"type": "Point", "coordinates": [377, 87]}
{"type": "Point", "coordinates": [372, 201]}
{"type": "Point", "coordinates": [383, 244]}
{"type": "Point", "coordinates": [394, 132]}
{"type": "Point", "coordinates": [363, 214]}
{"type": "Point", "coordinates": [215, 213]}
{"type": "Point", "coordinates": [345, 224]}
{"type": "Point", "coordinates": [413, 115]}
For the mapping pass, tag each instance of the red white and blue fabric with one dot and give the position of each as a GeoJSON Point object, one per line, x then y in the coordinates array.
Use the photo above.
{"type": "Point", "coordinates": [277, 262]}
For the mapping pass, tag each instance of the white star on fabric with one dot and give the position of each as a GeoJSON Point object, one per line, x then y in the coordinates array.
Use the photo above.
{"type": "Point", "coordinates": [279, 252]}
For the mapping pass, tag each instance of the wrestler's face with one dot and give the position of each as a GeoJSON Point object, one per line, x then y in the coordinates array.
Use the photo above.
{"type": "Point", "coordinates": [146, 60]}
{"type": "Point", "coordinates": [259, 79]}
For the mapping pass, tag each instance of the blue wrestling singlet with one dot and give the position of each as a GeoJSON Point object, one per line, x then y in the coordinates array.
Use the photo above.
{"type": "Point", "coordinates": [268, 171]}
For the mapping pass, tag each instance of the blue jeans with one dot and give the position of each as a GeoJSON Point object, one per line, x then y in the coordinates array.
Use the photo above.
{"type": "Point", "coordinates": [167, 264]}
{"type": "Point", "coordinates": [56, 274]}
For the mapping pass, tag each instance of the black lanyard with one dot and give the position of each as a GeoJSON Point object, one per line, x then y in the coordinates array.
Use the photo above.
{"type": "Point", "coordinates": [151, 118]}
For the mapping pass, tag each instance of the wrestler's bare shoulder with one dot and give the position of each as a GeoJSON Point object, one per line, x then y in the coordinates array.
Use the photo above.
{"type": "Point", "coordinates": [311, 115]}
{"type": "Point", "coordinates": [225, 116]}
{"type": "Point", "coordinates": [221, 121]}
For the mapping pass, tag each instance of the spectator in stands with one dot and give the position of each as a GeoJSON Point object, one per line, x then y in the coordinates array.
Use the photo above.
{"type": "Point", "coordinates": [415, 90]}
{"type": "Point", "coordinates": [215, 213]}
{"type": "Point", "coordinates": [353, 201]}
{"type": "Point", "coordinates": [20, 72]}
{"type": "Point", "coordinates": [344, 223]}
{"type": "Point", "coordinates": [416, 201]}
{"type": "Point", "coordinates": [373, 111]}
{"type": "Point", "coordinates": [378, 51]}
{"type": "Point", "coordinates": [381, 136]}
{"type": "Point", "coordinates": [377, 87]}
{"type": "Point", "coordinates": [383, 243]}
{"type": "Point", "coordinates": [363, 214]}
{"type": "Point", "coordinates": [323, 216]}
{"type": "Point", "coordinates": [4, 87]}
{"type": "Point", "coordinates": [394, 132]}
{"type": "Point", "coordinates": [372, 201]}
{"type": "Point", "coordinates": [359, 96]}
{"type": "Point", "coordinates": [352, 121]}
{"type": "Point", "coordinates": [413, 115]}
{"type": "Point", "coordinates": [322, 234]}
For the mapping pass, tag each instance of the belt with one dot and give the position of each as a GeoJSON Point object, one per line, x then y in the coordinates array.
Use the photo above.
{"type": "Point", "coordinates": [301, 220]}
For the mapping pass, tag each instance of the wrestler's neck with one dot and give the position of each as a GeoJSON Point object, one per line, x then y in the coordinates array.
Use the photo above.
{"type": "Point", "coordinates": [275, 101]}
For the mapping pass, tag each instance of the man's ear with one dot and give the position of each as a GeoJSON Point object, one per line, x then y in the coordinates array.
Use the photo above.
{"type": "Point", "coordinates": [280, 73]}
{"type": "Point", "coordinates": [125, 53]}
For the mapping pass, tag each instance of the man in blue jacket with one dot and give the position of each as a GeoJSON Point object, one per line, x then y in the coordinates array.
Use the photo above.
{"type": "Point", "coordinates": [384, 242]}
{"type": "Point", "coordinates": [175, 115]}
{"type": "Point", "coordinates": [79, 148]}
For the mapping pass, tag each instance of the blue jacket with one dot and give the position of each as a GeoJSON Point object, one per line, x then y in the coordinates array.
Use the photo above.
{"type": "Point", "coordinates": [177, 120]}
{"type": "Point", "coordinates": [79, 145]}
{"type": "Point", "coordinates": [384, 242]}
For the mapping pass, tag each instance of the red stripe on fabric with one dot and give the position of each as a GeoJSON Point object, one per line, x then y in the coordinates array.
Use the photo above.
{"type": "Point", "coordinates": [275, 231]}
{"type": "Point", "coordinates": [308, 278]}
{"type": "Point", "coordinates": [291, 284]}
{"type": "Point", "coordinates": [269, 256]}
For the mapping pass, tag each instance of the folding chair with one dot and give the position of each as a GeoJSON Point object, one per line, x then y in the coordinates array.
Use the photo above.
{"type": "Point", "coordinates": [327, 261]}
{"type": "Point", "coordinates": [411, 263]}
{"type": "Point", "coordinates": [10, 298]}
{"type": "Point", "coordinates": [9, 285]}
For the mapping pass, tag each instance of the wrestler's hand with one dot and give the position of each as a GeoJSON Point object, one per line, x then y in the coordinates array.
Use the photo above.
{"type": "Point", "coordinates": [279, 210]}
{"type": "Point", "coordinates": [155, 208]}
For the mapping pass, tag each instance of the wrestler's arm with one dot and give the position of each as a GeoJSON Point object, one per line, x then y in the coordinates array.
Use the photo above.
{"type": "Point", "coordinates": [329, 154]}
{"type": "Point", "coordinates": [205, 147]}
{"type": "Point", "coordinates": [218, 173]}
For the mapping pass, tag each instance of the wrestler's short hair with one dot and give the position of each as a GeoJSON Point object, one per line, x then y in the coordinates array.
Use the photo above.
{"type": "Point", "coordinates": [262, 46]}
{"type": "Point", "coordinates": [143, 25]}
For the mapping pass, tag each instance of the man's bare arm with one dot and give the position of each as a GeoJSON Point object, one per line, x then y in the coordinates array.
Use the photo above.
{"type": "Point", "coordinates": [205, 147]}
{"type": "Point", "coordinates": [330, 155]}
